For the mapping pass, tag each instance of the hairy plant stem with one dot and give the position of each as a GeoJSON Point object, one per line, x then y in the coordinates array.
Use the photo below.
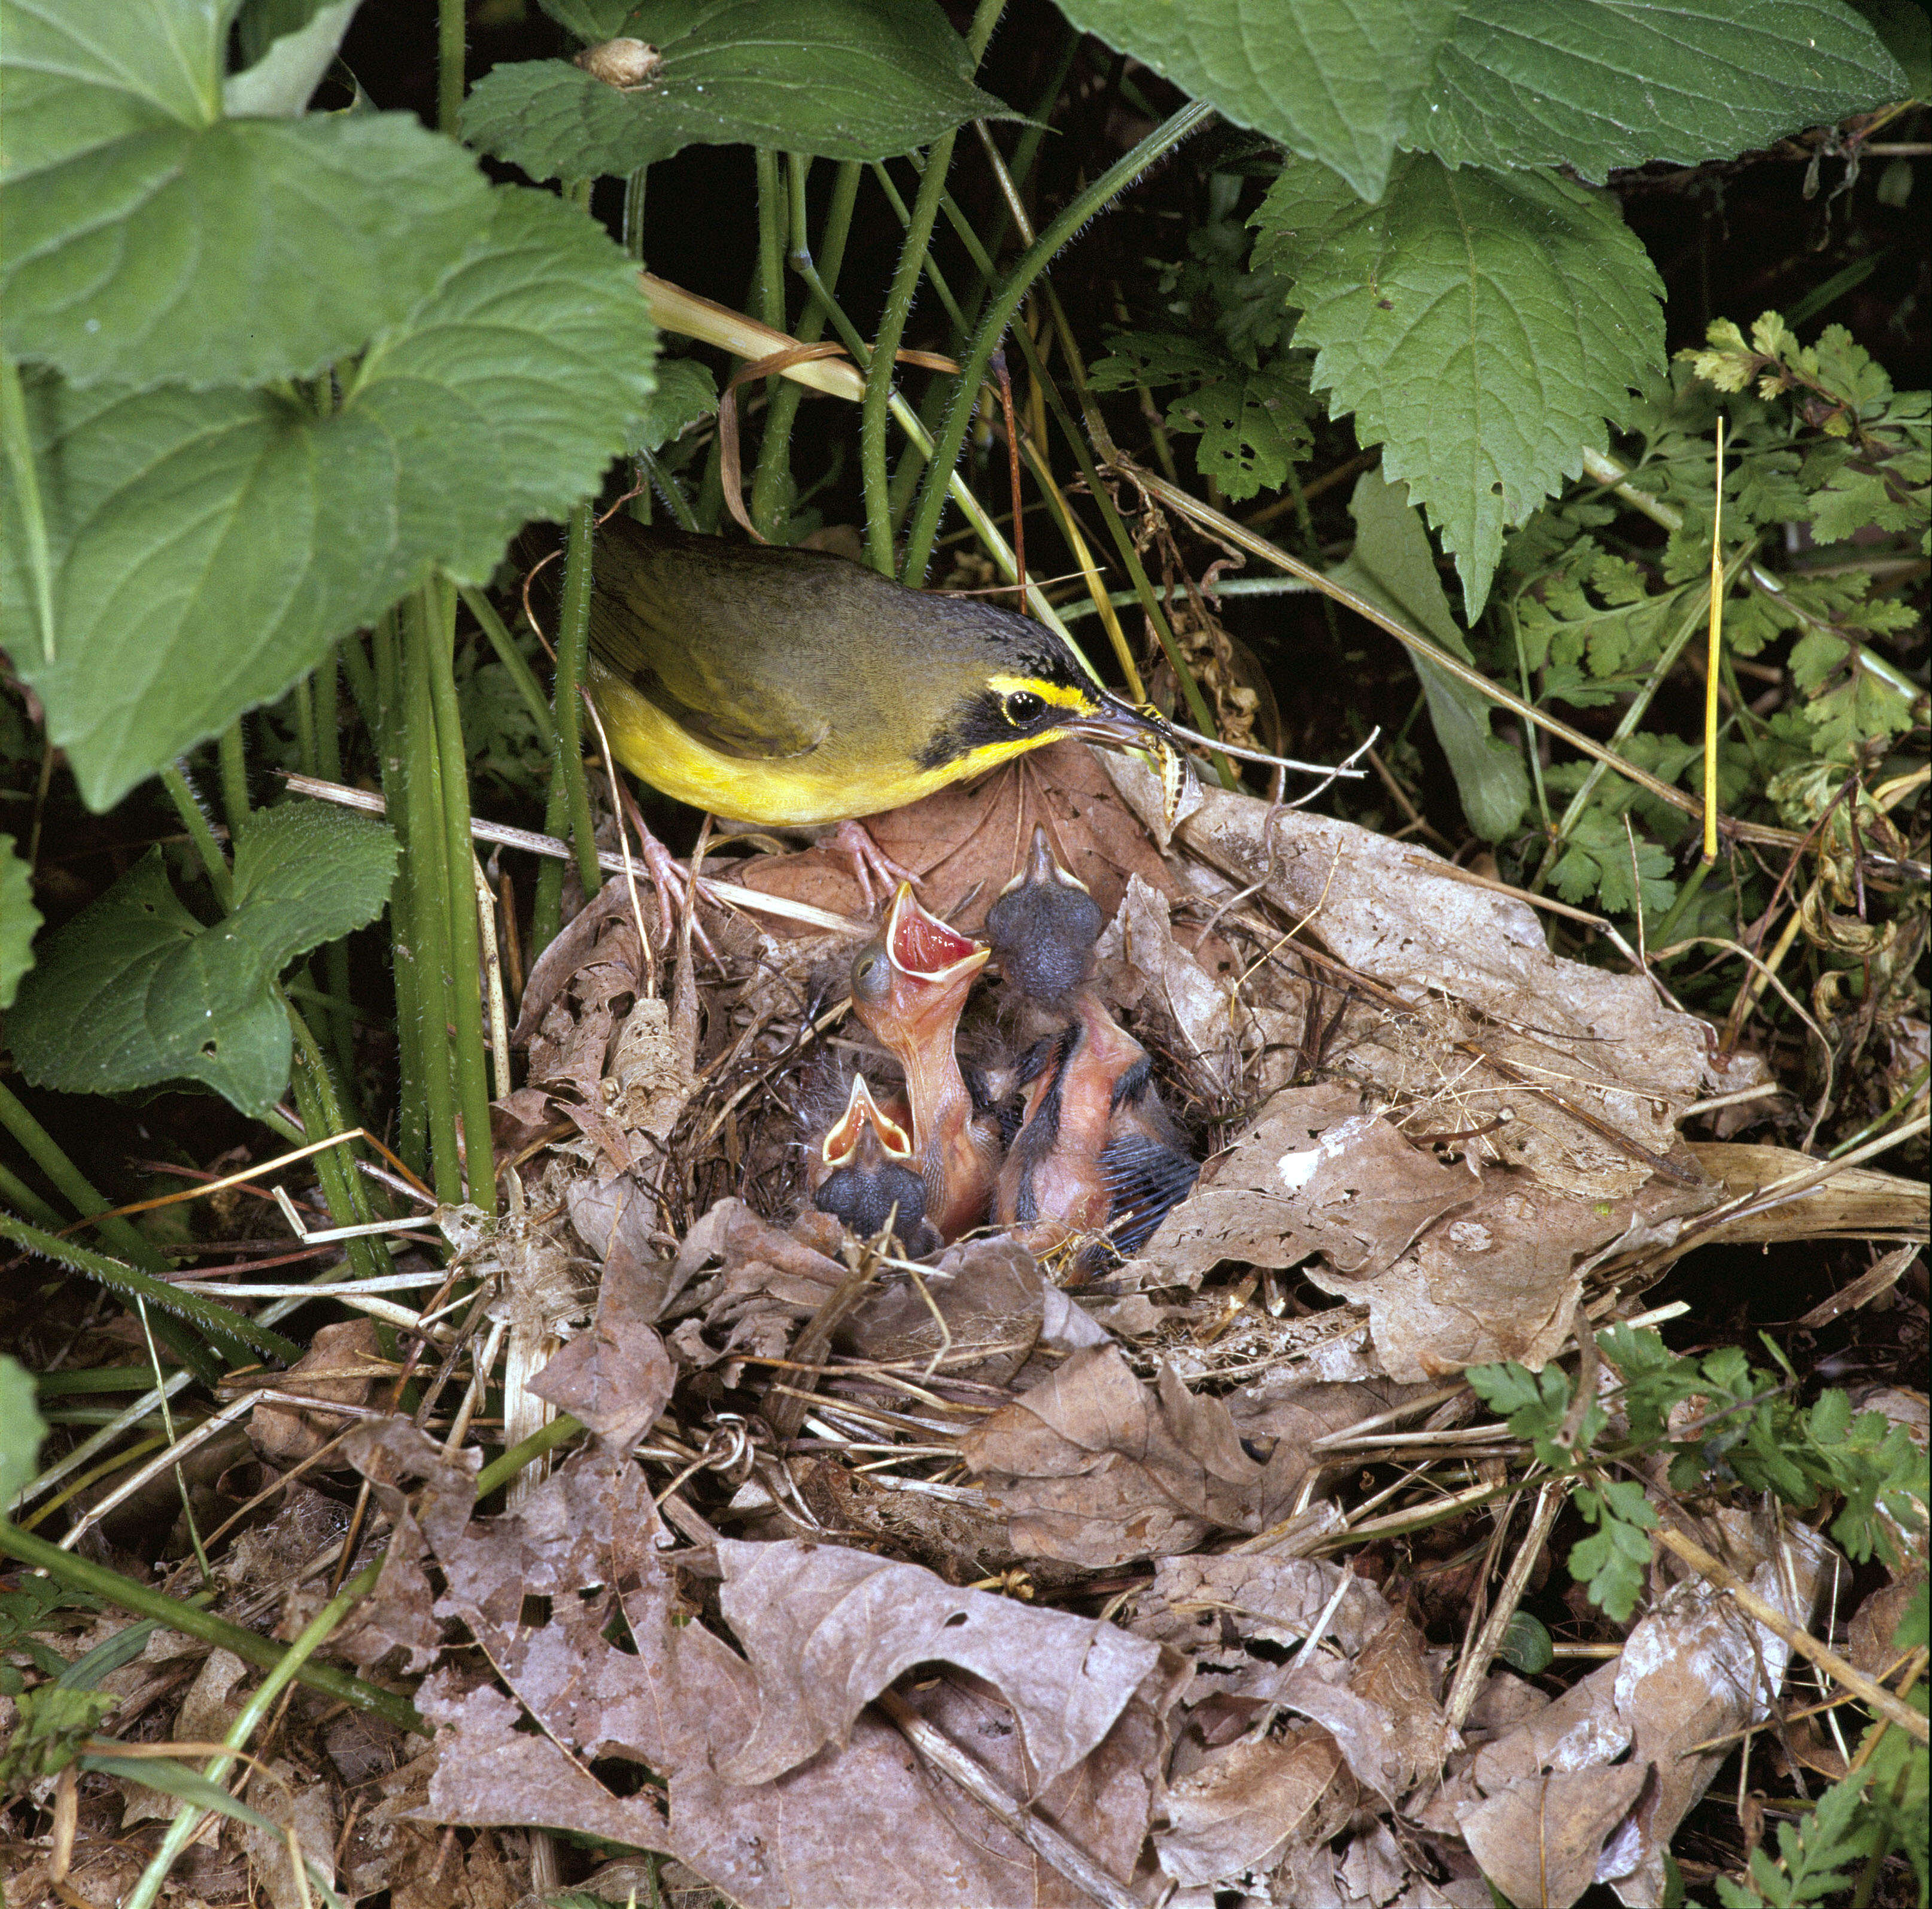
{"type": "Point", "coordinates": [385, 699]}
{"type": "Point", "coordinates": [233, 756]}
{"type": "Point", "coordinates": [81, 1574]}
{"type": "Point", "coordinates": [449, 22]}
{"type": "Point", "coordinates": [1000, 314]}
{"type": "Point", "coordinates": [771, 487]}
{"type": "Point", "coordinates": [569, 794]}
{"type": "Point", "coordinates": [472, 1075]}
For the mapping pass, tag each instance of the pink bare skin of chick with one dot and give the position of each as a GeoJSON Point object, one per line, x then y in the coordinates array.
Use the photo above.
{"type": "Point", "coordinates": [909, 987]}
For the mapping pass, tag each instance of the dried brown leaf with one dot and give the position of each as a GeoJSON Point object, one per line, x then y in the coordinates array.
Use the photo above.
{"type": "Point", "coordinates": [1540, 1840]}
{"type": "Point", "coordinates": [1239, 1809]}
{"type": "Point", "coordinates": [344, 1364]}
{"type": "Point", "coordinates": [1093, 1468]}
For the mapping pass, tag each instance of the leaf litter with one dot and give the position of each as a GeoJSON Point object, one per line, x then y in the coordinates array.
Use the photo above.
{"type": "Point", "coordinates": [983, 1579]}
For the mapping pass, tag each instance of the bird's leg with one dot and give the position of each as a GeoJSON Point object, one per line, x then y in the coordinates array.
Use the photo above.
{"type": "Point", "coordinates": [670, 879]}
{"type": "Point", "coordinates": [857, 842]}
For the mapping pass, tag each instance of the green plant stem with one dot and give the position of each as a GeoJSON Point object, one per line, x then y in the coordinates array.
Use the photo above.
{"type": "Point", "coordinates": [19, 443]}
{"type": "Point", "coordinates": [187, 1822]}
{"type": "Point", "coordinates": [385, 701]}
{"type": "Point", "coordinates": [73, 1185]}
{"type": "Point", "coordinates": [1695, 619]}
{"type": "Point", "coordinates": [472, 1075]}
{"type": "Point", "coordinates": [999, 315]}
{"type": "Point", "coordinates": [449, 50]}
{"type": "Point", "coordinates": [664, 484]}
{"type": "Point", "coordinates": [344, 1190]}
{"type": "Point", "coordinates": [876, 408]}
{"type": "Point", "coordinates": [234, 759]}
{"type": "Point", "coordinates": [771, 482]}
{"type": "Point", "coordinates": [634, 213]}
{"type": "Point", "coordinates": [1665, 933]}
{"type": "Point", "coordinates": [501, 1470]}
{"type": "Point", "coordinates": [511, 658]}
{"type": "Point", "coordinates": [428, 877]}
{"type": "Point", "coordinates": [124, 1594]}
{"type": "Point", "coordinates": [213, 862]}
{"type": "Point", "coordinates": [573, 647]}
{"type": "Point", "coordinates": [18, 1194]}
{"type": "Point", "coordinates": [335, 960]}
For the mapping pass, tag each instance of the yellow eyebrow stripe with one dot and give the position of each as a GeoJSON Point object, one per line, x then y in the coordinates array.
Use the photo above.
{"type": "Point", "coordinates": [1060, 695]}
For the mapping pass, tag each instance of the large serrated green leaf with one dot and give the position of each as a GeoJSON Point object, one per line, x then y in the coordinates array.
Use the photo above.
{"type": "Point", "coordinates": [1593, 84]}
{"type": "Point", "coordinates": [135, 991]}
{"type": "Point", "coordinates": [1393, 565]}
{"type": "Point", "coordinates": [208, 549]}
{"type": "Point", "coordinates": [1335, 81]}
{"type": "Point", "coordinates": [837, 78]}
{"type": "Point", "coordinates": [20, 921]}
{"type": "Point", "coordinates": [147, 238]}
{"type": "Point", "coordinates": [1482, 326]}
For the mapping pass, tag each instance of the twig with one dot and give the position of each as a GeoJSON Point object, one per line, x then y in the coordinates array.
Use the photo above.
{"type": "Point", "coordinates": [1046, 1842]}
{"type": "Point", "coordinates": [1827, 1660]}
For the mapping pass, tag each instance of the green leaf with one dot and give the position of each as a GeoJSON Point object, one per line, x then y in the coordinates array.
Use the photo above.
{"type": "Point", "coordinates": [22, 1428]}
{"type": "Point", "coordinates": [149, 239]}
{"type": "Point", "coordinates": [1333, 81]}
{"type": "Point", "coordinates": [1481, 326]}
{"type": "Point", "coordinates": [135, 991]}
{"type": "Point", "coordinates": [1526, 1645]}
{"type": "Point", "coordinates": [302, 37]}
{"type": "Point", "coordinates": [837, 78]}
{"type": "Point", "coordinates": [20, 921]}
{"type": "Point", "coordinates": [54, 1721]}
{"type": "Point", "coordinates": [1393, 564]}
{"type": "Point", "coordinates": [1252, 420]}
{"type": "Point", "coordinates": [1593, 84]}
{"type": "Point", "coordinates": [208, 550]}
{"type": "Point", "coordinates": [687, 391]}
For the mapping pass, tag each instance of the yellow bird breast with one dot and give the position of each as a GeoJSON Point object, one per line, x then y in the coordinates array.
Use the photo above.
{"type": "Point", "coordinates": [823, 784]}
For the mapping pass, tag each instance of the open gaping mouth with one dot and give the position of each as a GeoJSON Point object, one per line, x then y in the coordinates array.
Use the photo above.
{"type": "Point", "coordinates": [842, 1143]}
{"type": "Point", "coordinates": [922, 946]}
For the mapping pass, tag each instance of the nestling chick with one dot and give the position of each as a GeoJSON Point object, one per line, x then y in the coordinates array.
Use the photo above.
{"type": "Point", "coordinates": [909, 986]}
{"type": "Point", "coordinates": [1097, 1154]}
{"type": "Point", "coordinates": [864, 1172]}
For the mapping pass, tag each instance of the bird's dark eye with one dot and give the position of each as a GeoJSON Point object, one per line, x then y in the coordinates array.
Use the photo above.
{"type": "Point", "coordinates": [1024, 707]}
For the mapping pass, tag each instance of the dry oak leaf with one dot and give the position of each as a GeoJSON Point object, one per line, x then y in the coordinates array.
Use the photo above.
{"type": "Point", "coordinates": [825, 1630]}
{"type": "Point", "coordinates": [1093, 1468]}
{"type": "Point", "coordinates": [1399, 915]}
{"type": "Point", "coordinates": [344, 1364]}
{"type": "Point", "coordinates": [1239, 1810]}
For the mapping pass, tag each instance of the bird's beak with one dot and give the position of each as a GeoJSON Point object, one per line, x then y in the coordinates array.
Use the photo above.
{"type": "Point", "coordinates": [1117, 724]}
{"type": "Point", "coordinates": [922, 946]}
{"type": "Point", "coordinates": [841, 1144]}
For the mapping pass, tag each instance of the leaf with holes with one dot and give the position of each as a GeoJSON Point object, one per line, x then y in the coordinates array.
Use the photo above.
{"type": "Point", "coordinates": [150, 237]}
{"type": "Point", "coordinates": [838, 79]}
{"type": "Point", "coordinates": [1481, 326]}
{"type": "Point", "coordinates": [1253, 421]}
{"type": "Point", "coordinates": [136, 990]}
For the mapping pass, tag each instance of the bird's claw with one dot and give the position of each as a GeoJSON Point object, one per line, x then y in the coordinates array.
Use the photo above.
{"type": "Point", "coordinates": [855, 841]}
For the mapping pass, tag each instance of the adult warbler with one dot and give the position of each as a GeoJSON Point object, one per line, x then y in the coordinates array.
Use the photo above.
{"type": "Point", "coordinates": [788, 688]}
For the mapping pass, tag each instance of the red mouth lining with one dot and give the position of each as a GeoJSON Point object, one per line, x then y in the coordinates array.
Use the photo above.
{"type": "Point", "coordinates": [923, 945]}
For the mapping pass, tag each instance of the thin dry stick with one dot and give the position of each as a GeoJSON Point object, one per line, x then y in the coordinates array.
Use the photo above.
{"type": "Point", "coordinates": [1046, 1842]}
{"type": "Point", "coordinates": [1827, 1660]}
{"type": "Point", "coordinates": [1475, 1664]}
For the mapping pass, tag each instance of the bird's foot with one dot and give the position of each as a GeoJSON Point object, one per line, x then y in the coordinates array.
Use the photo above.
{"type": "Point", "coordinates": [855, 841]}
{"type": "Point", "coordinates": [671, 881]}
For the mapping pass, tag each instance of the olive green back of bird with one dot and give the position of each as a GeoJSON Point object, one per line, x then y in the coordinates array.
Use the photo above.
{"type": "Point", "coordinates": [792, 686]}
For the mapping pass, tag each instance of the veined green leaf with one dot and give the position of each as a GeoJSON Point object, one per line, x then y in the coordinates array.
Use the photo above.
{"type": "Point", "coordinates": [837, 78]}
{"type": "Point", "coordinates": [135, 991]}
{"type": "Point", "coordinates": [1333, 81]}
{"type": "Point", "coordinates": [19, 920]}
{"type": "Point", "coordinates": [1593, 84]}
{"type": "Point", "coordinates": [1481, 326]}
{"type": "Point", "coordinates": [22, 1428]}
{"type": "Point", "coordinates": [149, 238]}
{"type": "Point", "coordinates": [208, 549]}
